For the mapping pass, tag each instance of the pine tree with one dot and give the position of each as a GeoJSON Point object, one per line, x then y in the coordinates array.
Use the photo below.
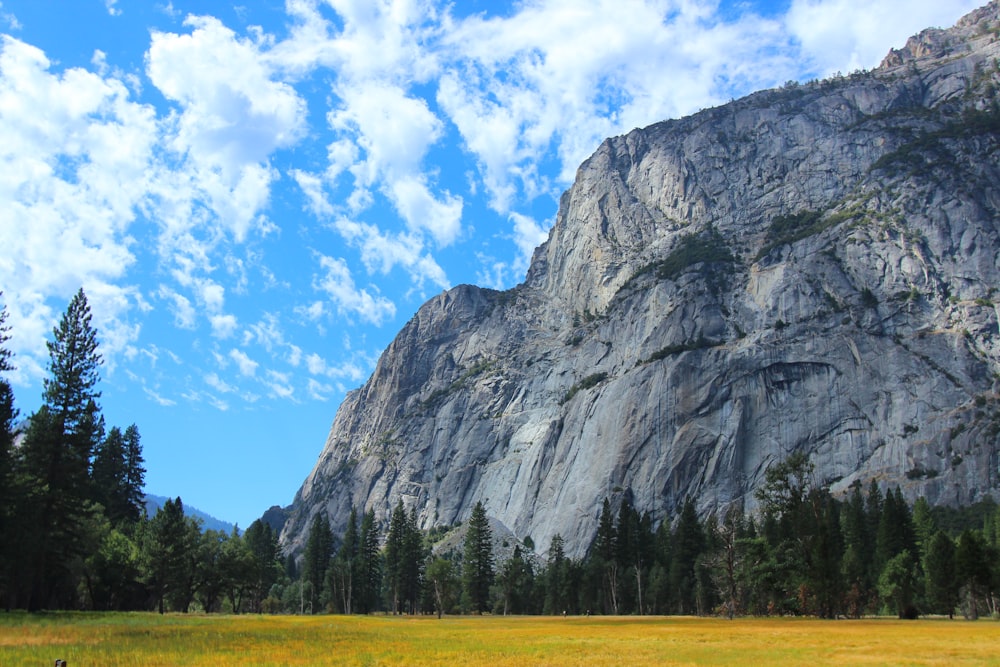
{"type": "Point", "coordinates": [8, 493]}
{"type": "Point", "coordinates": [687, 543]}
{"type": "Point", "coordinates": [604, 558]}
{"type": "Point", "coordinates": [265, 561]}
{"type": "Point", "coordinates": [319, 549]}
{"type": "Point", "coordinates": [168, 547]}
{"type": "Point", "coordinates": [941, 583]}
{"type": "Point", "coordinates": [395, 545]}
{"type": "Point", "coordinates": [477, 563]}
{"type": "Point", "coordinates": [556, 577]}
{"type": "Point", "coordinates": [369, 564]}
{"type": "Point", "coordinates": [345, 567]}
{"type": "Point", "coordinates": [413, 563]}
{"type": "Point", "coordinates": [56, 454]}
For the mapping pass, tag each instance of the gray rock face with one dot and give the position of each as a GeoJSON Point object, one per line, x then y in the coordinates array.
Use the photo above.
{"type": "Point", "coordinates": [806, 269]}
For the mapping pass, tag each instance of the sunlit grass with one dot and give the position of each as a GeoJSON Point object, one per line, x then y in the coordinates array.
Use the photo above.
{"type": "Point", "coordinates": [149, 639]}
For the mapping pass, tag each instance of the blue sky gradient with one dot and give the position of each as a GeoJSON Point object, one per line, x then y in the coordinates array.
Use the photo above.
{"type": "Point", "coordinates": [257, 196]}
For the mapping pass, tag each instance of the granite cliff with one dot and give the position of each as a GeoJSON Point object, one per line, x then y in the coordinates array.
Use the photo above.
{"type": "Point", "coordinates": [806, 269]}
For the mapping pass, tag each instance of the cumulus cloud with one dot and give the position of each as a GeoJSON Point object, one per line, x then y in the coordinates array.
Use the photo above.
{"type": "Point", "coordinates": [233, 115]}
{"type": "Point", "coordinates": [845, 35]}
{"type": "Point", "coordinates": [247, 366]}
{"type": "Point", "coordinates": [73, 154]}
{"type": "Point", "coordinates": [336, 281]}
{"type": "Point", "coordinates": [99, 188]}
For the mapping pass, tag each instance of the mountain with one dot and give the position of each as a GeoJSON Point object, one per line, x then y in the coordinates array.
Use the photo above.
{"type": "Point", "coordinates": [208, 522]}
{"type": "Point", "coordinates": [807, 269]}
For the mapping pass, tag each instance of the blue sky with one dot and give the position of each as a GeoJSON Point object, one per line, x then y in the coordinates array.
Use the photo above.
{"type": "Point", "coordinates": [257, 196]}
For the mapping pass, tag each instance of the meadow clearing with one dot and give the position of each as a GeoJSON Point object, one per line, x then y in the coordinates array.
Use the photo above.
{"type": "Point", "coordinates": [150, 640]}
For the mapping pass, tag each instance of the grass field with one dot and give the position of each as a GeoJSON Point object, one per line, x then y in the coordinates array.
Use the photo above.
{"type": "Point", "coordinates": [149, 640]}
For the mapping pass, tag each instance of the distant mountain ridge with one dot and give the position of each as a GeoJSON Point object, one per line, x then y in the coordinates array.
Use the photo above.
{"type": "Point", "coordinates": [208, 522]}
{"type": "Point", "coordinates": [810, 269]}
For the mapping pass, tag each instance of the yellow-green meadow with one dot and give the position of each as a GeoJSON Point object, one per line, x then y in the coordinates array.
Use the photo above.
{"type": "Point", "coordinates": [150, 640]}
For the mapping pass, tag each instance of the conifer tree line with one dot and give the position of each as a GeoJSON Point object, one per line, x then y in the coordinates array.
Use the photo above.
{"type": "Point", "coordinates": [802, 552]}
{"type": "Point", "coordinates": [75, 535]}
{"type": "Point", "coordinates": [73, 527]}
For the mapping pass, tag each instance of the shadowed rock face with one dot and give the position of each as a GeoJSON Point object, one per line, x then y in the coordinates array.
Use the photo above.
{"type": "Point", "coordinates": [807, 269]}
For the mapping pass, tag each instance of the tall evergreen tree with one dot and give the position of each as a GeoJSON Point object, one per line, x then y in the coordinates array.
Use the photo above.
{"type": "Point", "coordinates": [477, 563]}
{"type": "Point", "coordinates": [133, 492]}
{"type": "Point", "coordinates": [57, 453]}
{"type": "Point", "coordinates": [319, 550]}
{"type": "Point", "coordinates": [110, 474]}
{"type": "Point", "coordinates": [558, 598]}
{"type": "Point", "coordinates": [972, 569]}
{"type": "Point", "coordinates": [343, 571]}
{"type": "Point", "coordinates": [687, 544]}
{"type": "Point", "coordinates": [413, 563]}
{"type": "Point", "coordinates": [395, 548]}
{"type": "Point", "coordinates": [858, 553]}
{"type": "Point", "coordinates": [604, 559]}
{"type": "Point", "coordinates": [514, 584]}
{"type": "Point", "coordinates": [369, 565]}
{"type": "Point", "coordinates": [941, 583]}
{"type": "Point", "coordinates": [265, 562]}
{"type": "Point", "coordinates": [168, 547]}
{"type": "Point", "coordinates": [8, 493]}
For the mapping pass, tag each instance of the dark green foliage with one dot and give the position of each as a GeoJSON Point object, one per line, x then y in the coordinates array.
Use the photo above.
{"type": "Point", "coordinates": [897, 584]}
{"type": "Point", "coordinates": [557, 578]}
{"type": "Point", "coordinates": [930, 149]}
{"type": "Point", "coordinates": [404, 559]}
{"type": "Point", "coordinates": [369, 565]}
{"type": "Point", "coordinates": [344, 571]}
{"type": "Point", "coordinates": [941, 582]}
{"type": "Point", "coordinates": [319, 549]}
{"type": "Point", "coordinates": [445, 584]}
{"type": "Point", "coordinates": [687, 543]}
{"type": "Point", "coordinates": [788, 229]}
{"type": "Point", "coordinates": [8, 491]}
{"type": "Point", "coordinates": [868, 299]}
{"type": "Point", "coordinates": [706, 248]}
{"type": "Point", "coordinates": [586, 383]}
{"type": "Point", "coordinates": [477, 563]}
{"type": "Point", "coordinates": [974, 564]}
{"type": "Point", "coordinates": [265, 563]}
{"type": "Point", "coordinates": [604, 560]}
{"type": "Point", "coordinates": [118, 475]}
{"type": "Point", "coordinates": [515, 584]}
{"type": "Point", "coordinates": [699, 344]}
{"type": "Point", "coordinates": [168, 563]}
{"type": "Point", "coordinates": [56, 457]}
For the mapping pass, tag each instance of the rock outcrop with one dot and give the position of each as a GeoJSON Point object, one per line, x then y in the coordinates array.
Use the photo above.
{"type": "Point", "coordinates": [806, 269]}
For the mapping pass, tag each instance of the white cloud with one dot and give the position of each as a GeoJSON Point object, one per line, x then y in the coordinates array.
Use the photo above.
{"type": "Point", "coordinates": [216, 383]}
{"type": "Point", "coordinates": [394, 132]}
{"type": "Point", "coordinates": [232, 114]}
{"type": "Point", "coordinates": [247, 366]}
{"type": "Point", "coordinates": [337, 282]}
{"type": "Point", "coordinates": [519, 90]}
{"type": "Point", "coordinates": [180, 305]}
{"type": "Point", "coordinates": [158, 399]}
{"type": "Point", "coordinates": [528, 235]}
{"type": "Point", "coordinates": [113, 10]}
{"type": "Point", "coordinates": [73, 153]}
{"type": "Point", "coordinates": [279, 384]}
{"type": "Point", "coordinates": [845, 35]}
{"type": "Point", "coordinates": [223, 326]}
{"type": "Point", "coordinates": [319, 391]}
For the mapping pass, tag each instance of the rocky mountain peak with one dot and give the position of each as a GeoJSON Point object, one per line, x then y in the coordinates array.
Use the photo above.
{"type": "Point", "coordinates": [806, 269]}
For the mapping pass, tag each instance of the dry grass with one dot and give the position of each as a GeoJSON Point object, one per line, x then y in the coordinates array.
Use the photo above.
{"type": "Point", "coordinates": [150, 640]}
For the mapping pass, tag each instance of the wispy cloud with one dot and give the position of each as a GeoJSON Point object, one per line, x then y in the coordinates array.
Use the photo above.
{"type": "Point", "coordinates": [390, 143]}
